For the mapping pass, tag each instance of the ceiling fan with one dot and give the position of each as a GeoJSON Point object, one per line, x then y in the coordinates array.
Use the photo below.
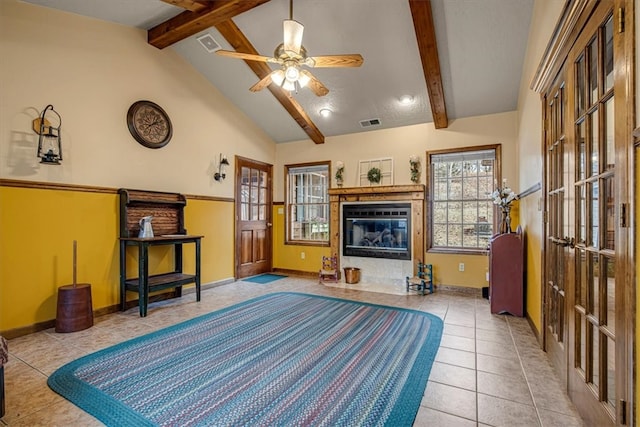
{"type": "Point", "coordinates": [291, 56]}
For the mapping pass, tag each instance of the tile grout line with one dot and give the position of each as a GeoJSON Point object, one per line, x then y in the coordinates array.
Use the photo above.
{"type": "Point", "coordinates": [524, 373]}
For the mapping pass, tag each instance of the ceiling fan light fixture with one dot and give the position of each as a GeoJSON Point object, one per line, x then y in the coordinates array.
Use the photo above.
{"type": "Point", "coordinates": [278, 77]}
{"type": "Point", "coordinates": [303, 80]}
{"type": "Point", "coordinates": [292, 58]}
{"type": "Point", "coordinates": [291, 73]}
{"type": "Point", "coordinates": [290, 86]}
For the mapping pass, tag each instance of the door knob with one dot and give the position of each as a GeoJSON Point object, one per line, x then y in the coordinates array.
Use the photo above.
{"type": "Point", "coordinates": [269, 224]}
{"type": "Point", "coordinates": [568, 241]}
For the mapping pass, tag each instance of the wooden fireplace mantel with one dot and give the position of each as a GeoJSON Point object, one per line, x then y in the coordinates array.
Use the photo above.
{"type": "Point", "coordinates": [383, 193]}
{"type": "Point", "coordinates": [380, 192]}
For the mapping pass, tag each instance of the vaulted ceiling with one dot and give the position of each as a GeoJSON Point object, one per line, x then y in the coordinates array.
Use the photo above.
{"type": "Point", "coordinates": [451, 58]}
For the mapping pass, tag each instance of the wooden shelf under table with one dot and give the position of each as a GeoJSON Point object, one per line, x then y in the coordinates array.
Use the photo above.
{"type": "Point", "coordinates": [145, 283]}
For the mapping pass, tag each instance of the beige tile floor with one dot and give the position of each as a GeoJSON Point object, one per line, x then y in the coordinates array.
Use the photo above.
{"type": "Point", "coordinates": [489, 370]}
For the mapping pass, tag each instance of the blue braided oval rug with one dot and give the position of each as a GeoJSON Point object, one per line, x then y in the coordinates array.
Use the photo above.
{"type": "Point", "coordinates": [283, 359]}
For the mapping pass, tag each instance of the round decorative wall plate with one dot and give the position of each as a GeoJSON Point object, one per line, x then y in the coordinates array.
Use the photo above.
{"type": "Point", "coordinates": [149, 124]}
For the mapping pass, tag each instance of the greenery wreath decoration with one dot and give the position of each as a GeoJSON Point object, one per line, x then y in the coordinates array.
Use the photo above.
{"type": "Point", "coordinates": [374, 175]}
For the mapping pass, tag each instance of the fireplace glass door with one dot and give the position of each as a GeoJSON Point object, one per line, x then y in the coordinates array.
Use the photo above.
{"type": "Point", "coordinates": [377, 230]}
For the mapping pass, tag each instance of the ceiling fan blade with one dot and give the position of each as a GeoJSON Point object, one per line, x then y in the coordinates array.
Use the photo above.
{"type": "Point", "coordinates": [264, 82]}
{"type": "Point", "coordinates": [293, 31]}
{"type": "Point", "coordinates": [314, 84]}
{"type": "Point", "coordinates": [247, 56]}
{"type": "Point", "coordinates": [348, 60]}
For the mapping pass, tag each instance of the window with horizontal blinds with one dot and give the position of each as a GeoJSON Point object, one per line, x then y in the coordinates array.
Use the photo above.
{"type": "Point", "coordinates": [461, 156]}
{"type": "Point", "coordinates": [461, 212]}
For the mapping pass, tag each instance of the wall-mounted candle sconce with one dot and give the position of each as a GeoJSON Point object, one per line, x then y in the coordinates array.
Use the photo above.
{"type": "Point", "coordinates": [49, 142]}
{"type": "Point", "coordinates": [220, 175]}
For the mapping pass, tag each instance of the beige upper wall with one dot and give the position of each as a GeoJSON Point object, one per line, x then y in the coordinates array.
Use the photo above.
{"type": "Point", "coordinates": [92, 71]}
{"type": "Point", "coordinates": [545, 16]}
{"type": "Point", "coordinates": [400, 144]}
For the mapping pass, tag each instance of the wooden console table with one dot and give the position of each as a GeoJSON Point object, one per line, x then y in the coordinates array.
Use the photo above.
{"type": "Point", "coordinates": [167, 210]}
{"type": "Point", "coordinates": [144, 284]}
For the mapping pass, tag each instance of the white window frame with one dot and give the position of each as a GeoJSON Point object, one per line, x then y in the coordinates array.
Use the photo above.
{"type": "Point", "coordinates": [311, 207]}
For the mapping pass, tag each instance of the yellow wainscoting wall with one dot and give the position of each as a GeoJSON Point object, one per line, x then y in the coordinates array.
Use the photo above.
{"type": "Point", "coordinates": [446, 269]}
{"type": "Point", "coordinates": [290, 257]}
{"type": "Point", "coordinates": [215, 220]}
{"type": "Point", "coordinates": [533, 264]}
{"type": "Point", "coordinates": [37, 230]}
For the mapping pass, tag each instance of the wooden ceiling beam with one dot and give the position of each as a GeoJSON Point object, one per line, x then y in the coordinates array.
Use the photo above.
{"type": "Point", "coordinates": [426, 37]}
{"type": "Point", "coordinates": [240, 43]}
{"type": "Point", "coordinates": [192, 5]}
{"type": "Point", "coordinates": [191, 21]}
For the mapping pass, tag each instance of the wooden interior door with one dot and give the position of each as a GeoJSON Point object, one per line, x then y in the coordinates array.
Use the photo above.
{"type": "Point", "coordinates": [559, 257]}
{"type": "Point", "coordinates": [253, 217]}
{"type": "Point", "coordinates": [588, 315]}
{"type": "Point", "coordinates": [599, 306]}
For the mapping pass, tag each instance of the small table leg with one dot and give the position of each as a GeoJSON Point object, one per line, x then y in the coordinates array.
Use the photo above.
{"type": "Point", "coordinates": [143, 278]}
{"type": "Point", "coordinates": [123, 276]}
{"type": "Point", "coordinates": [198, 270]}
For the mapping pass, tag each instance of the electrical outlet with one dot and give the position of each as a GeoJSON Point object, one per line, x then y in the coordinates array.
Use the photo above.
{"type": "Point", "coordinates": [461, 266]}
{"type": "Point", "coordinates": [302, 255]}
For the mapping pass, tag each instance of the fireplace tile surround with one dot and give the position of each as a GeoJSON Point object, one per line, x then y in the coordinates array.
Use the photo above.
{"type": "Point", "coordinates": [379, 274]}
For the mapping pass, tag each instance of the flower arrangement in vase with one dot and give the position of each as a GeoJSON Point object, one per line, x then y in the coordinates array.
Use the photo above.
{"type": "Point", "coordinates": [339, 173]}
{"type": "Point", "coordinates": [503, 197]}
{"type": "Point", "coordinates": [414, 163]}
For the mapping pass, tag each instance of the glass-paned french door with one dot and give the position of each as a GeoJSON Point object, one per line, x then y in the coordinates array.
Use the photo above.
{"type": "Point", "coordinates": [558, 152]}
{"type": "Point", "coordinates": [586, 317]}
{"type": "Point", "coordinates": [594, 308]}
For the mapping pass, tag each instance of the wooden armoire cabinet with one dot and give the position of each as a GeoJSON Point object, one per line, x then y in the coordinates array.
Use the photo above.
{"type": "Point", "coordinates": [506, 273]}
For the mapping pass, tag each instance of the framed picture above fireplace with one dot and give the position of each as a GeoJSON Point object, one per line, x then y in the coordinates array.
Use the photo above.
{"type": "Point", "coordinates": [381, 170]}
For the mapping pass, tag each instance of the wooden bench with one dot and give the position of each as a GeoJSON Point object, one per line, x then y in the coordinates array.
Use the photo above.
{"type": "Point", "coordinates": [167, 210]}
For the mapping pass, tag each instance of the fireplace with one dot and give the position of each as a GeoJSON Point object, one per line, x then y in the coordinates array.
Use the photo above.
{"type": "Point", "coordinates": [377, 230]}
{"type": "Point", "coordinates": [379, 272]}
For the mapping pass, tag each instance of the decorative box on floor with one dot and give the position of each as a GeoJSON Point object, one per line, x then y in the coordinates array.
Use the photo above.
{"type": "Point", "coordinates": [167, 211]}
{"type": "Point", "coordinates": [506, 273]}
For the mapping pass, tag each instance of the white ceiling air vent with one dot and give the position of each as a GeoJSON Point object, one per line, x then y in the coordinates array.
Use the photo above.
{"type": "Point", "coordinates": [209, 43]}
{"type": "Point", "coordinates": [370, 122]}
